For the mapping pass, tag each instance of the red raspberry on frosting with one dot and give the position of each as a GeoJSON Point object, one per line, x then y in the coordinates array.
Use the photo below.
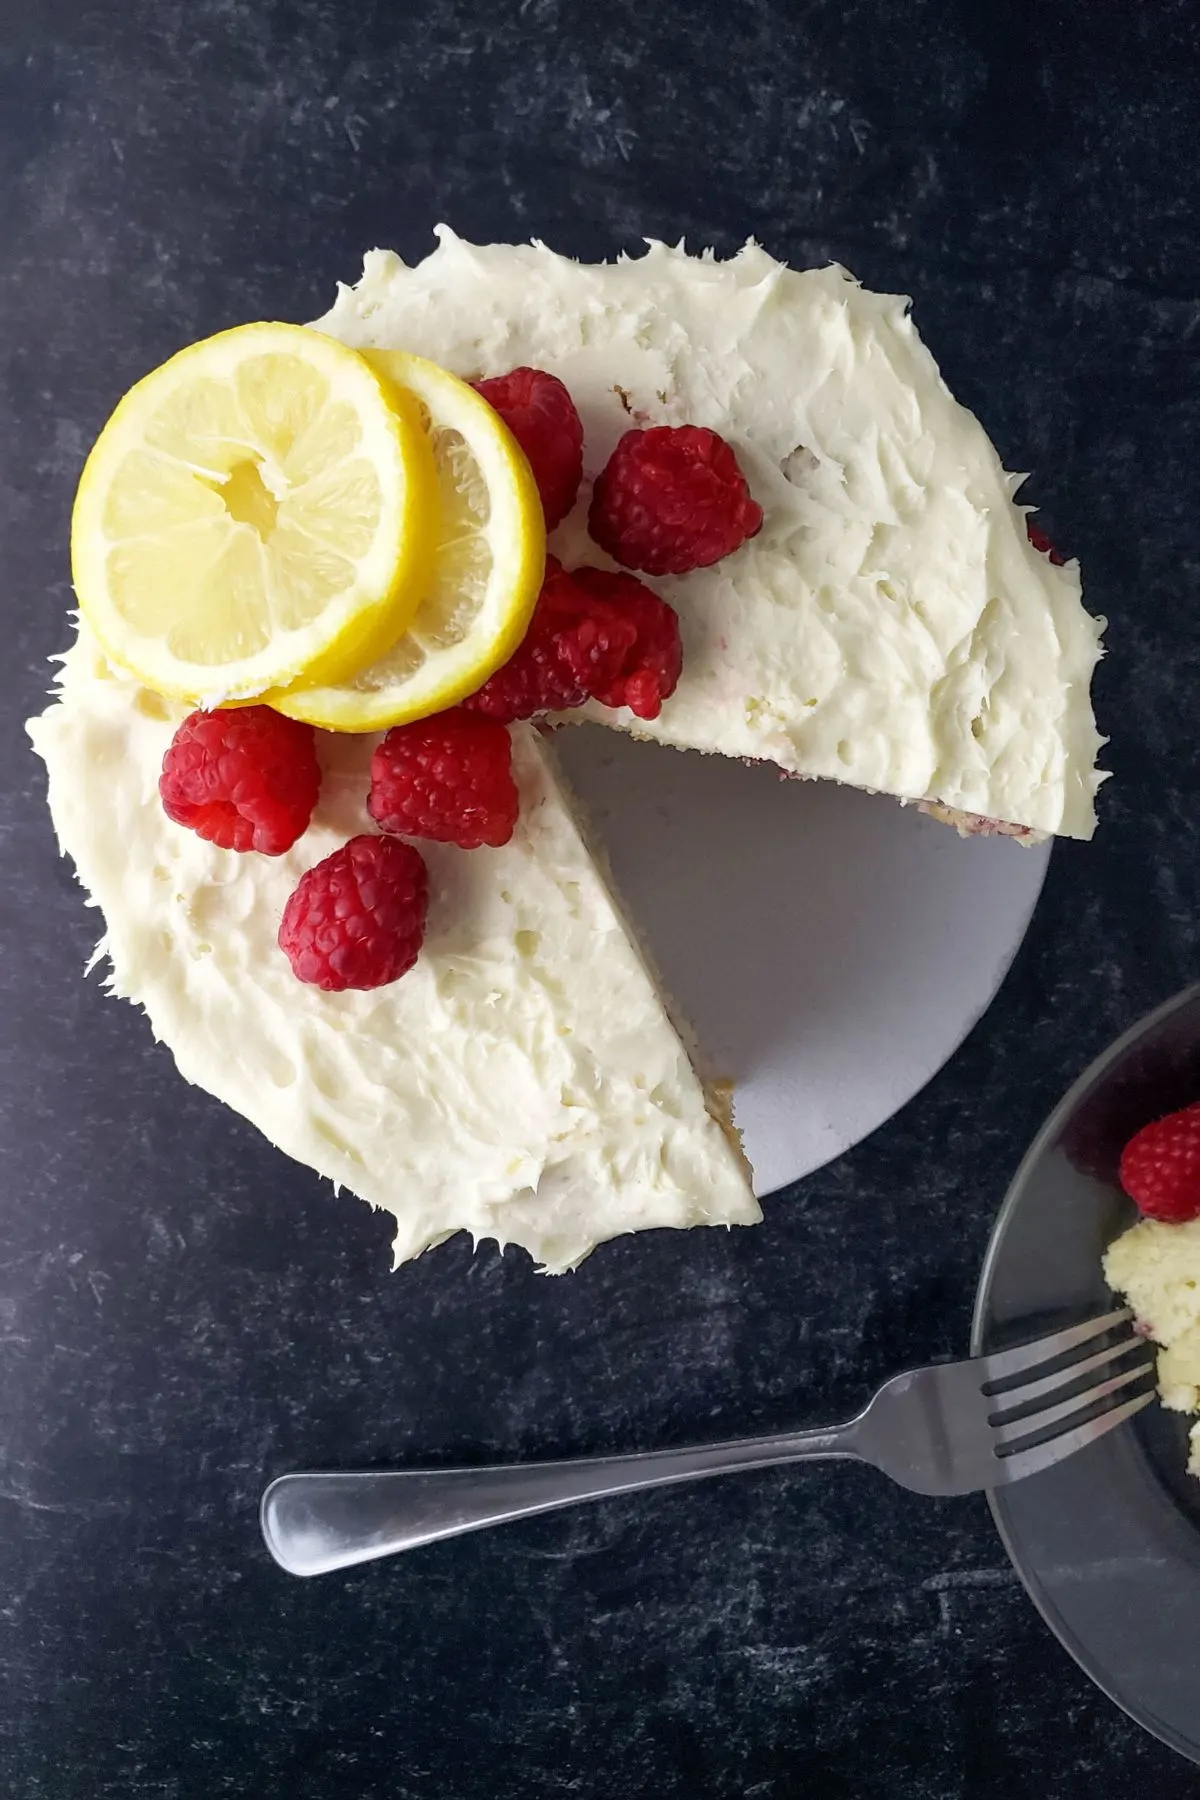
{"type": "Point", "coordinates": [541, 415]}
{"type": "Point", "coordinates": [537, 677]}
{"type": "Point", "coordinates": [449, 778]}
{"type": "Point", "coordinates": [672, 499]}
{"type": "Point", "coordinates": [627, 609]}
{"type": "Point", "coordinates": [594, 635]}
{"type": "Point", "coordinates": [357, 920]}
{"type": "Point", "coordinates": [246, 778]}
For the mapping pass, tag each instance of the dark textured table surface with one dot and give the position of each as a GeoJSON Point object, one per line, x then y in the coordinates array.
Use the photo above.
{"type": "Point", "coordinates": [184, 1314]}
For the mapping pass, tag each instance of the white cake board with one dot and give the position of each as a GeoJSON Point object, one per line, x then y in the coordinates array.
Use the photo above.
{"type": "Point", "coordinates": [830, 948]}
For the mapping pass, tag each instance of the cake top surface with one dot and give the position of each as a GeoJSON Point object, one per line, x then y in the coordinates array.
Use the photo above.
{"type": "Point", "coordinates": [891, 626]}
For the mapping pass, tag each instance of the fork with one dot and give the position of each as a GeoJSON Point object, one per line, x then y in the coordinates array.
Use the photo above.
{"type": "Point", "coordinates": [954, 1428]}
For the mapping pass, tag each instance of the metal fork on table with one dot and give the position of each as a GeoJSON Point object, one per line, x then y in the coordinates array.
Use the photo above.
{"type": "Point", "coordinates": [951, 1429]}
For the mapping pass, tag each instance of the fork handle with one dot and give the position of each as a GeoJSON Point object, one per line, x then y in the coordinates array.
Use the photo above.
{"type": "Point", "coordinates": [313, 1523]}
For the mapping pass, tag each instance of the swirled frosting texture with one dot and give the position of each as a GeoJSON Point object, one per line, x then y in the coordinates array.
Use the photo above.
{"type": "Point", "coordinates": [522, 1082]}
{"type": "Point", "coordinates": [891, 626]}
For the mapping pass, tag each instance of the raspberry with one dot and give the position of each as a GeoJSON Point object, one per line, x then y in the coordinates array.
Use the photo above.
{"type": "Point", "coordinates": [357, 919]}
{"type": "Point", "coordinates": [541, 415]}
{"type": "Point", "coordinates": [536, 678]}
{"type": "Point", "coordinates": [1040, 541]}
{"type": "Point", "coordinates": [1160, 1167]}
{"type": "Point", "coordinates": [448, 778]}
{"type": "Point", "coordinates": [672, 499]}
{"type": "Point", "coordinates": [246, 779]}
{"type": "Point", "coordinates": [651, 665]}
{"type": "Point", "coordinates": [594, 635]}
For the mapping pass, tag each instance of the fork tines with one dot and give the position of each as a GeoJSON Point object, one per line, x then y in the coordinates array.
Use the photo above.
{"type": "Point", "coordinates": [1079, 1383]}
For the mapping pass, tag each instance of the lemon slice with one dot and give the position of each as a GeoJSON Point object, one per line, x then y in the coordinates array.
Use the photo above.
{"type": "Point", "coordinates": [261, 507]}
{"type": "Point", "coordinates": [487, 570]}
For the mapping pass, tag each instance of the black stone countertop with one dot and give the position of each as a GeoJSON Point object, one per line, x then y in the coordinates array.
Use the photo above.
{"type": "Point", "coordinates": [183, 1313]}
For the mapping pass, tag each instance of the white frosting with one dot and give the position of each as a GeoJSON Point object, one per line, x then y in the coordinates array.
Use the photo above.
{"type": "Point", "coordinates": [891, 626]}
{"type": "Point", "coordinates": [522, 1082]}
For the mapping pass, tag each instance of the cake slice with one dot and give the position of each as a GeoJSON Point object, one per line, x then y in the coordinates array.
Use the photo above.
{"type": "Point", "coordinates": [1156, 1267]}
{"type": "Point", "coordinates": [523, 1082]}
{"type": "Point", "coordinates": [891, 626]}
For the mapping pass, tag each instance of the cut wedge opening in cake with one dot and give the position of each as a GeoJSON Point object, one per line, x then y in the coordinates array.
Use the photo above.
{"type": "Point", "coordinates": [718, 1087]}
{"type": "Point", "coordinates": [875, 616]}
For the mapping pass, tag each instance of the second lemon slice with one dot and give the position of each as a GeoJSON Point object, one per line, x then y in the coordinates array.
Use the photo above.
{"type": "Point", "coordinates": [488, 566]}
{"type": "Point", "coordinates": [256, 510]}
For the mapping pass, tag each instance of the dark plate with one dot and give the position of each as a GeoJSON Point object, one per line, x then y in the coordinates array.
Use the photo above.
{"type": "Point", "coordinates": [1107, 1542]}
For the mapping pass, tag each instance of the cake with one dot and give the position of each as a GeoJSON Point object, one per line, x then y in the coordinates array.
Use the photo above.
{"type": "Point", "coordinates": [891, 627]}
{"type": "Point", "coordinates": [1156, 1266]}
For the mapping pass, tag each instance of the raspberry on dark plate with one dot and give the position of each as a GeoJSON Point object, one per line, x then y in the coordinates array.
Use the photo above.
{"type": "Point", "coordinates": [672, 499]}
{"type": "Point", "coordinates": [448, 778]}
{"type": "Point", "coordinates": [1160, 1167]}
{"type": "Point", "coordinates": [541, 415]}
{"type": "Point", "coordinates": [357, 919]}
{"type": "Point", "coordinates": [245, 778]}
